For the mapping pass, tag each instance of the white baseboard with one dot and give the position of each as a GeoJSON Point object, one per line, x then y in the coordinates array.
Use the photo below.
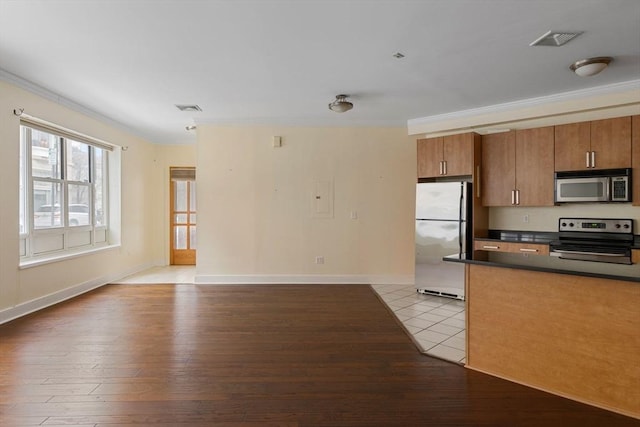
{"type": "Point", "coordinates": [311, 279]}
{"type": "Point", "coordinates": [36, 304]}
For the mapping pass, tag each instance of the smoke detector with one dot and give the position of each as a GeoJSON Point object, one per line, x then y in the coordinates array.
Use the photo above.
{"type": "Point", "coordinates": [555, 38]}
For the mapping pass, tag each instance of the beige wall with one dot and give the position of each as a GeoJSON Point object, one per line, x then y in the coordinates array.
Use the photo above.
{"type": "Point", "coordinates": [30, 288]}
{"type": "Point", "coordinates": [255, 205]}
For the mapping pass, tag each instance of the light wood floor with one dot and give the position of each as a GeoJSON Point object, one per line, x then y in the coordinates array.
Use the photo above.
{"type": "Point", "coordinates": [188, 355]}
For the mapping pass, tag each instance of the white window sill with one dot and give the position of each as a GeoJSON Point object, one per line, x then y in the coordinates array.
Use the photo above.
{"type": "Point", "coordinates": [61, 256]}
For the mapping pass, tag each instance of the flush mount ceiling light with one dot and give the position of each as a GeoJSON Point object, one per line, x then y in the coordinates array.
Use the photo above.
{"type": "Point", "coordinates": [590, 66]}
{"type": "Point", "coordinates": [340, 105]}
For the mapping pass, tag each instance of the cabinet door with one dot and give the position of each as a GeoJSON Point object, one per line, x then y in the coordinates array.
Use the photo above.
{"type": "Point", "coordinates": [534, 166]}
{"type": "Point", "coordinates": [498, 168]}
{"type": "Point", "coordinates": [572, 145]}
{"type": "Point", "coordinates": [635, 161]}
{"type": "Point", "coordinates": [458, 154]}
{"type": "Point", "coordinates": [429, 157]}
{"type": "Point", "coordinates": [611, 142]}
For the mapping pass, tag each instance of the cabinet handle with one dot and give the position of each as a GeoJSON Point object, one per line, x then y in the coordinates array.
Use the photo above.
{"type": "Point", "coordinates": [490, 247]}
{"type": "Point", "coordinates": [517, 197]}
{"type": "Point", "coordinates": [593, 159]}
{"type": "Point", "coordinates": [440, 167]}
{"type": "Point", "coordinates": [444, 162]}
{"type": "Point", "coordinates": [588, 160]}
{"type": "Point", "coordinates": [513, 197]}
{"type": "Point", "coordinates": [528, 250]}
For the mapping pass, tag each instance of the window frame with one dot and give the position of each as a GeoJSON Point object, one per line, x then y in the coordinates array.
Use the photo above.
{"type": "Point", "coordinates": [70, 240]}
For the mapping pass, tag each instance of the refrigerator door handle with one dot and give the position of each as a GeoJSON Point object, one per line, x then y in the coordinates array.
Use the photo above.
{"type": "Point", "coordinates": [461, 217]}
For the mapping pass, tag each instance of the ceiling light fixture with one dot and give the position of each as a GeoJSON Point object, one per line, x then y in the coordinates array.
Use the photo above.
{"type": "Point", "coordinates": [590, 66]}
{"type": "Point", "coordinates": [340, 105]}
{"type": "Point", "coordinates": [190, 127]}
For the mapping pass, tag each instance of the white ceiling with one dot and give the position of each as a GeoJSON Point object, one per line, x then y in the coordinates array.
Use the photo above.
{"type": "Point", "coordinates": [282, 62]}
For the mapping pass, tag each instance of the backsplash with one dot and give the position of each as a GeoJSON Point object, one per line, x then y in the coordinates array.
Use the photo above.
{"type": "Point", "coordinates": [546, 218]}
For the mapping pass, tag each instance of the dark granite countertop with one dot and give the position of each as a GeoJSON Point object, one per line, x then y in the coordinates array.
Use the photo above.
{"type": "Point", "coordinates": [523, 236]}
{"type": "Point", "coordinates": [521, 266]}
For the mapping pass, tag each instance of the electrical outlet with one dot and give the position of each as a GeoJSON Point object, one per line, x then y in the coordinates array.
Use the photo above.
{"type": "Point", "coordinates": [319, 260]}
{"type": "Point", "coordinates": [525, 218]}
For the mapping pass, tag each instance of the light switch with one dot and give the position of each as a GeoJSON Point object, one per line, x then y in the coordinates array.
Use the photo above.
{"type": "Point", "coordinates": [277, 141]}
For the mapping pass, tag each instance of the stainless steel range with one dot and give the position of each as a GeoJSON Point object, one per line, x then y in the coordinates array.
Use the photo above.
{"type": "Point", "coordinates": [594, 239]}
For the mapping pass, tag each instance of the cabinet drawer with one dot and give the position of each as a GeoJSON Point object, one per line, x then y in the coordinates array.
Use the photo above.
{"type": "Point", "coordinates": [512, 247]}
{"type": "Point", "coordinates": [489, 245]}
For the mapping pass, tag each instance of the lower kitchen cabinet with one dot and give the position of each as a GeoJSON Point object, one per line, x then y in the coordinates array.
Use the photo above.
{"type": "Point", "coordinates": [570, 335]}
{"type": "Point", "coordinates": [511, 247]}
{"type": "Point", "coordinates": [635, 256]}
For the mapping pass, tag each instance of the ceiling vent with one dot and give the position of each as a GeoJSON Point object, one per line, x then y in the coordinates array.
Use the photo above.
{"type": "Point", "coordinates": [193, 107]}
{"type": "Point", "coordinates": [555, 38]}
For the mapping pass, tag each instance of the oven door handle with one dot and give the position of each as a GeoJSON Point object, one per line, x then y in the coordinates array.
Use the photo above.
{"type": "Point", "coordinates": [562, 251]}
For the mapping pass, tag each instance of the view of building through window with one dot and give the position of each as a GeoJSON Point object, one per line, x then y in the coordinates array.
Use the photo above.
{"type": "Point", "coordinates": [62, 185]}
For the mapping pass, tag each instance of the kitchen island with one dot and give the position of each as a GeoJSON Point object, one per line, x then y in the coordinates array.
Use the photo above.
{"type": "Point", "coordinates": [572, 333]}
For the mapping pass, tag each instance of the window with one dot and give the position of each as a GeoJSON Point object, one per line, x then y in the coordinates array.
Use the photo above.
{"type": "Point", "coordinates": [63, 191]}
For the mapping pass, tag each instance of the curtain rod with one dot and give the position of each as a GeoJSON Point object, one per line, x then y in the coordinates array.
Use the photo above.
{"type": "Point", "coordinates": [65, 132]}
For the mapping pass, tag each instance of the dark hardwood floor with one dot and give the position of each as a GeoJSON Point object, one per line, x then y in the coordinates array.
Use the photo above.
{"type": "Point", "coordinates": [187, 355]}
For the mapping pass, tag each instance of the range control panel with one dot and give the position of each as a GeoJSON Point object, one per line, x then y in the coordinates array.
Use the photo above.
{"type": "Point", "coordinates": [596, 225]}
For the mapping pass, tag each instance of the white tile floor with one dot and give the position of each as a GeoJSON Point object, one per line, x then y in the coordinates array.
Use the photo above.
{"type": "Point", "coordinates": [437, 324]}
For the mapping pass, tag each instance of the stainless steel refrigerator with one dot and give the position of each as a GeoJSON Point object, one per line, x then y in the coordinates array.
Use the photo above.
{"type": "Point", "coordinates": [443, 221]}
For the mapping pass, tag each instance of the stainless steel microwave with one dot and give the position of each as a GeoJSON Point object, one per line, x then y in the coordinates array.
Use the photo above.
{"type": "Point", "coordinates": [610, 185]}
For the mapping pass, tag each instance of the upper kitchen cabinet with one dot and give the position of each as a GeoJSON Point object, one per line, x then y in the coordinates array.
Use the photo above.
{"type": "Point", "coordinates": [446, 156]}
{"type": "Point", "coordinates": [430, 153]}
{"type": "Point", "coordinates": [518, 168]}
{"type": "Point", "coordinates": [635, 160]}
{"type": "Point", "coordinates": [601, 144]}
{"type": "Point", "coordinates": [498, 168]}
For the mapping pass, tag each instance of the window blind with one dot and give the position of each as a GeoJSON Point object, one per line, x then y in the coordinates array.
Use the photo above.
{"type": "Point", "coordinates": [44, 126]}
{"type": "Point", "coordinates": [183, 174]}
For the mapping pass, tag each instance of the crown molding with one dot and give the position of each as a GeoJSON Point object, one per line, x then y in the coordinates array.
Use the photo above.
{"type": "Point", "coordinates": [521, 110]}
{"type": "Point", "coordinates": [38, 90]}
{"type": "Point", "coordinates": [300, 122]}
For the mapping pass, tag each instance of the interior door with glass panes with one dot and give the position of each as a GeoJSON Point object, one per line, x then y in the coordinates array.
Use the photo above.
{"type": "Point", "coordinates": [183, 216]}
